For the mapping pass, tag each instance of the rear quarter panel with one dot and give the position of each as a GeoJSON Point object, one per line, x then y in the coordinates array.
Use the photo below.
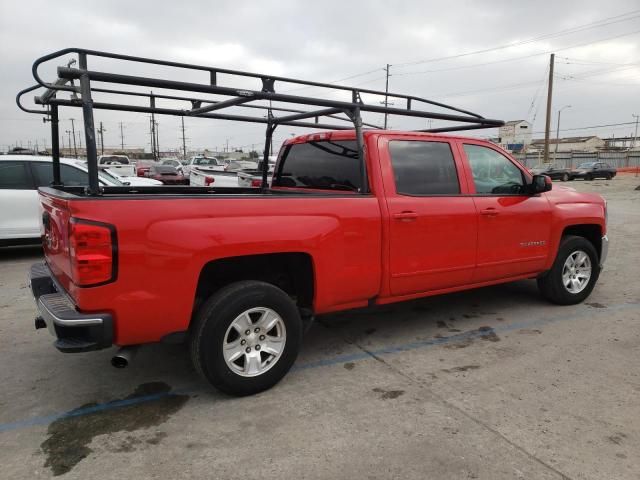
{"type": "Point", "coordinates": [164, 243]}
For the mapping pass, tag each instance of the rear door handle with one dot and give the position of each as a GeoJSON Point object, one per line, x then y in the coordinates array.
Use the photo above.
{"type": "Point", "coordinates": [405, 216]}
{"type": "Point", "coordinates": [490, 212]}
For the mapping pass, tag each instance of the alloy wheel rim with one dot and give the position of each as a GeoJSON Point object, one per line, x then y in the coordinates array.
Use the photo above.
{"type": "Point", "coordinates": [254, 342]}
{"type": "Point", "coordinates": [576, 272]}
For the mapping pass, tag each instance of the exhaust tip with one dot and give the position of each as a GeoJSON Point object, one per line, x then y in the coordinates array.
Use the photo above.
{"type": "Point", "coordinates": [124, 356]}
{"type": "Point", "coordinates": [119, 362]}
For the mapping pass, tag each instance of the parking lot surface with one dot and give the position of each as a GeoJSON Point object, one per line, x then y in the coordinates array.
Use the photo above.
{"type": "Point", "coordinates": [493, 383]}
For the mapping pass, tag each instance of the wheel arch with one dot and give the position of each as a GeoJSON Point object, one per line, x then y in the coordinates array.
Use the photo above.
{"type": "Point", "coordinates": [590, 231]}
{"type": "Point", "coordinates": [293, 272]}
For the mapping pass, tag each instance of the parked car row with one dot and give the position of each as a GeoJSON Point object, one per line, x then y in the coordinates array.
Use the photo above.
{"type": "Point", "coordinates": [586, 171]}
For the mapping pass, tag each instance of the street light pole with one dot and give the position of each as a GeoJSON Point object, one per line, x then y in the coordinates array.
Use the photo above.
{"type": "Point", "coordinates": [635, 137]}
{"type": "Point", "coordinates": [555, 152]}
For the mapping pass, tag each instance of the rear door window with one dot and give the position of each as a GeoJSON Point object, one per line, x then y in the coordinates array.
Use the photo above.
{"type": "Point", "coordinates": [15, 176]}
{"type": "Point", "coordinates": [423, 168]}
{"type": "Point", "coordinates": [325, 165]}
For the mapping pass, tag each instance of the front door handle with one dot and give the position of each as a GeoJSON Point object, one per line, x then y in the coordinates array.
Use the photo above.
{"type": "Point", "coordinates": [406, 216]}
{"type": "Point", "coordinates": [489, 212]}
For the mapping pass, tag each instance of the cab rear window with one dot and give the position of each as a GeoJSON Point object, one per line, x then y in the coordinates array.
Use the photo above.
{"type": "Point", "coordinates": [324, 165]}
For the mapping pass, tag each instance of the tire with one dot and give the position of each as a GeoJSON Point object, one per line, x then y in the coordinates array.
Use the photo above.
{"type": "Point", "coordinates": [588, 178]}
{"type": "Point", "coordinates": [552, 285]}
{"type": "Point", "coordinates": [216, 325]}
{"type": "Point", "coordinates": [565, 177]}
{"type": "Point", "coordinates": [607, 176]}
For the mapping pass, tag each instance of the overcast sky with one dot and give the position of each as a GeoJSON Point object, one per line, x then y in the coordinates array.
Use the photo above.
{"type": "Point", "coordinates": [598, 64]}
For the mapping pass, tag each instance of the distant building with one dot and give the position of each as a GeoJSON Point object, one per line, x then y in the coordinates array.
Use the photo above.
{"type": "Point", "coordinates": [622, 143]}
{"type": "Point", "coordinates": [515, 135]}
{"type": "Point", "coordinates": [571, 144]}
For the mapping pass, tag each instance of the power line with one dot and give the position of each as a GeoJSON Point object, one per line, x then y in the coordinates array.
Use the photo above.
{"type": "Point", "coordinates": [600, 83]}
{"type": "Point", "coordinates": [534, 103]}
{"type": "Point", "coordinates": [512, 59]}
{"type": "Point", "coordinates": [587, 26]}
{"type": "Point", "coordinates": [591, 127]}
{"type": "Point", "coordinates": [362, 74]}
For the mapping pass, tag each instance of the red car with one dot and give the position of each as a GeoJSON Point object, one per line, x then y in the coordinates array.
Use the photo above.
{"type": "Point", "coordinates": [143, 166]}
{"type": "Point", "coordinates": [166, 174]}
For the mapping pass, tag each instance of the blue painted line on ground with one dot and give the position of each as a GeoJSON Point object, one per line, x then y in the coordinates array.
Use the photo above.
{"type": "Point", "coordinates": [354, 357]}
{"type": "Point", "coordinates": [460, 337]}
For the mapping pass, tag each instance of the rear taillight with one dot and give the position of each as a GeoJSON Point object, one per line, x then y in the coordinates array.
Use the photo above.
{"type": "Point", "coordinates": [209, 180]}
{"type": "Point", "coordinates": [256, 183]}
{"type": "Point", "coordinates": [92, 250]}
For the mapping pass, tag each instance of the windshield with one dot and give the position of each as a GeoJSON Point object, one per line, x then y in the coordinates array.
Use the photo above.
{"type": "Point", "coordinates": [205, 161]}
{"type": "Point", "coordinates": [164, 169]}
{"type": "Point", "coordinates": [586, 165]}
{"type": "Point", "coordinates": [107, 177]}
{"type": "Point", "coordinates": [114, 159]}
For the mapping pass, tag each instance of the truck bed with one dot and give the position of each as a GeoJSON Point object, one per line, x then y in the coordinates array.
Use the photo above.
{"type": "Point", "coordinates": [166, 236]}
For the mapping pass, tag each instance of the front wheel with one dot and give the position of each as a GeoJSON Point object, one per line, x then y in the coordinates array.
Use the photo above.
{"type": "Point", "coordinates": [574, 272]}
{"type": "Point", "coordinates": [246, 337]}
{"type": "Point", "coordinates": [565, 177]}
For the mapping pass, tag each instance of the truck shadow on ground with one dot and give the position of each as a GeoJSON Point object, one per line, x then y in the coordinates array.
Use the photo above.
{"type": "Point", "coordinates": [330, 336]}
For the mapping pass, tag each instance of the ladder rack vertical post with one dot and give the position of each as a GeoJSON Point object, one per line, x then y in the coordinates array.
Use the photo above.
{"type": "Point", "coordinates": [89, 128]}
{"type": "Point", "coordinates": [55, 145]}
{"type": "Point", "coordinates": [271, 126]}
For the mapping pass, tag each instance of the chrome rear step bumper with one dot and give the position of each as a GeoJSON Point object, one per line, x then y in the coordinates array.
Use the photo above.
{"type": "Point", "coordinates": [75, 331]}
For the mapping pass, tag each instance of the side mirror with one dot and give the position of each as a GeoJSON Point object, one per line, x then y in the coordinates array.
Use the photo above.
{"type": "Point", "coordinates": [541, 184]}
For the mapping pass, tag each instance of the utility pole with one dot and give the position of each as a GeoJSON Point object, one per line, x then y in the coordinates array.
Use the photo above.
{"type": "Point", "coordinates": [555, 152]}
{"type": "Point", "coordinates": [154, 148]}
{"type": "Point", "coordinates": [153, 135]}
{"type": "Point", "coordinates": [101, 131]}
{"type": "Point", "coordinates": [386, 91]}
{"type": "Point", "coordinates": [635, 137]}
{"type": "Point", "coordinates": [68, 132]}
{"type": "Point", "coordinates": [549, 101]}
{"type": "Point", "coordinates": [184, 142]}
{"type": "Point", "coordinates": [157, 131]}
{"type": "Point", "coordinates": [121, 137]}
{"type": "Point", "coordinates": [73, 131]}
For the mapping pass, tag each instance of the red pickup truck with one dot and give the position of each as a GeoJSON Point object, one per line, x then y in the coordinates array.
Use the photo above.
{"type": "Point", "coordinates": [351, 219]}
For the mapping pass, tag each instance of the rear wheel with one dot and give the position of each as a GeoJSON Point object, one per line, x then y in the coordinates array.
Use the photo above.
{"type": "Point", "coordinates": [246, 337]}
{"type": "Point", "coordinates": [574, 272]}
{"type": "Point", "coordinates": [565, 177]}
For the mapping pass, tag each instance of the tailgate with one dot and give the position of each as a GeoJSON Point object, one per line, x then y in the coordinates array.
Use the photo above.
{"type": "Point", "coordinates": [55, 239]}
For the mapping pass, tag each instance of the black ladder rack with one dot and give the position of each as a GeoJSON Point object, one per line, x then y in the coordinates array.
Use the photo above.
{"type": "Point", "coordinates": [343, 114]}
